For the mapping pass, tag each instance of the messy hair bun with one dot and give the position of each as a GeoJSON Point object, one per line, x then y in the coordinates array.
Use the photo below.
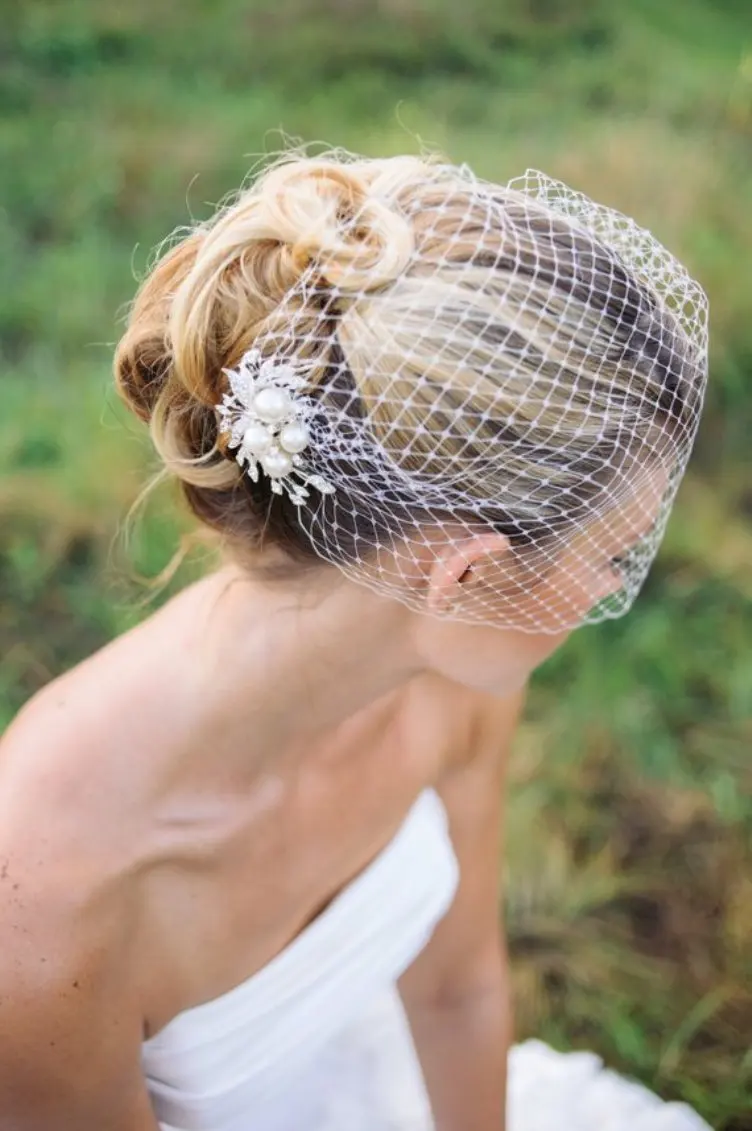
{"type": "Point", "coordinates": [473, 332]}
{"type": "Point", "coordinates": [212, 295]}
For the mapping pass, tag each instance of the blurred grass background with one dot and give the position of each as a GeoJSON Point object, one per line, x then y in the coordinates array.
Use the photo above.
{"type": "Point", "coordinates": [629, 894]}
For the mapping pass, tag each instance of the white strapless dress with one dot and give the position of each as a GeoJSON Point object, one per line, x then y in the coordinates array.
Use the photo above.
{"type": "Point", "coordinates": [317, 1040]}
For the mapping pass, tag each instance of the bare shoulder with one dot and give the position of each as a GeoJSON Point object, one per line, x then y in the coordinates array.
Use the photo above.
{"type": "Point", "coordinates": [83, 771]}
{"type": "Point", "coordinates": [67, 892]}
{"type": "Point", "coordinates": [75, 769]}
{"type": "Point", "coordinates": [71, 1000]}
{"type": "Point", "coordinates": [70, 995]}
{"type": "Point", "coordinates": [93, 738]}
{"type": "Point", "coordinates": [80, 769]}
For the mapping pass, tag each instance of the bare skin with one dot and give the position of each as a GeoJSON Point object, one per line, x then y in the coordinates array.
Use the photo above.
{"type": "Point", "coordinates": [176, 809]}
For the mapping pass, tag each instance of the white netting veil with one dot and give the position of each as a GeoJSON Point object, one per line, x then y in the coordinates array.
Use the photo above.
{"type": "Point", "coordinates": [508, 371]}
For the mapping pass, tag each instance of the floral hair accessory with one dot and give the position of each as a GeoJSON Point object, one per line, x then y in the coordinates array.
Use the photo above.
{"type": "Point", "coordinates": [266, 418]}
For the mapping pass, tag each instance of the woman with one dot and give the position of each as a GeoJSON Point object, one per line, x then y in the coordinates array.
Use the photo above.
{"type": "Point", "coordinates": [250, 850]}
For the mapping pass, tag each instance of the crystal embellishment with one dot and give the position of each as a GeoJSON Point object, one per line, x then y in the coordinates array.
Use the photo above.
{"type": "Point", "coordinates": [266, 417]}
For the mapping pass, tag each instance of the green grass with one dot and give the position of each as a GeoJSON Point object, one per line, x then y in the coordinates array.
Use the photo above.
{"type": "Point", "coordinates": [629, 894]}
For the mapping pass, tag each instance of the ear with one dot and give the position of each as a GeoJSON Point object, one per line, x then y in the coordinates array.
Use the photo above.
{"type": "Point", "coordinates": [459, 565]}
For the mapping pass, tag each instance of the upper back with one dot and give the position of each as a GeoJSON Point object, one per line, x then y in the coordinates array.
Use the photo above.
{"type": "Point", "coordinates": [130, 898]}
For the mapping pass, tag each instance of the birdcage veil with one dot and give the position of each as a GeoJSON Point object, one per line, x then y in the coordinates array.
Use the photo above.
{"type": "Point", "coordinates": [457, 357]}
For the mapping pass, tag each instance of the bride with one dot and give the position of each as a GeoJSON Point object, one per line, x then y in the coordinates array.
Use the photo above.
{"type": "Point", "coordinates": [250, 851]}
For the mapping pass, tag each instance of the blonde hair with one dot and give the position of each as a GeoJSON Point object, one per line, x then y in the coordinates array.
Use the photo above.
{"type": "Point", "coordinates": [472, 304]}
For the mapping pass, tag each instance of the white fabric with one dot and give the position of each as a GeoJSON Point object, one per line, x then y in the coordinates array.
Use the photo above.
{"type": "Point", "coordinates": [553, 1091]}
{"type": "Point", "coordinates": [318, 1041]}
{"type": "Point", "coordinates": [274, 1054]}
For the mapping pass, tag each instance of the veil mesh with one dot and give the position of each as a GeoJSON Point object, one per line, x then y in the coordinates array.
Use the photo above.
{"type": "Point", "coordinates": [507, 366]}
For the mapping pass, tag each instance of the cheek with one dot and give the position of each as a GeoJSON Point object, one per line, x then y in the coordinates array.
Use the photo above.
{"type": "Point", "coordinates": [543, 600]}
{"type": "Point", "coordinates": [568, 594]}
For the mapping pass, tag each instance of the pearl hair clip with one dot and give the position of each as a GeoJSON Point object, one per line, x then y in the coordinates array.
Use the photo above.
{"type": "Point", "coordinates": [266, 420]}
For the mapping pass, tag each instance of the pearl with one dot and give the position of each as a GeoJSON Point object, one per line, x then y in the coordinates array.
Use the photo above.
{"type": "Point", "coordinates": [276, 464]}
{"type": "Point", "coordinates": [294, 438]}
{"type": "Point", "coordinates": [257, 439]}
{"type": "Point", "coordinates": [272, 405]}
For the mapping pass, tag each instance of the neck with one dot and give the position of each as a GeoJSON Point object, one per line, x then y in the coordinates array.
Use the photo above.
{"type": "Point", "coordinates": [290, 664]}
